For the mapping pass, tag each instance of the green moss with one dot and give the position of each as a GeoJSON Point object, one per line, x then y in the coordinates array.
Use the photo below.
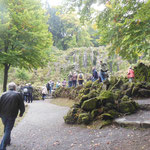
{"type": "Point", "coordinates": [84, 118]}
{"type": "Point", "coordinates": [106, 116]}
{"type": "Point", "coordinates": [113, 113]}
{"type": "Point", "coordinates": [88, 84]}
{"type": "Point", "coordinates": [127, 107]}
{"type": "Point", "coordinates": [95, 113]}
{"type": "Point", "coordinates": [125, 98]}
{"type": "Point", "coordinates": [106, 97]}
{"type": "Point", "coordinates": [105, 123]}
{"type": "Point", "coordinates": [90, 104]}
{"type": "Point", "coordinates": [92, 94]}
{"type": "Point", "coordinates": [71, 117]}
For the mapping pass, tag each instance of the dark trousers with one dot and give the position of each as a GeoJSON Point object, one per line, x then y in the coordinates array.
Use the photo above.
{"type": "Point", "coordinates": [8, 125]}
{"type": "Point", "coordinates": [74, 83]}
{"type": "Point", "coordinates": [69, 83]}
{"type": "Point", "coordinates": [80, 82]}
{"type": "Point", "coordinates": [30, 98]}
{"type": "Point", "coordinates": [43, 96]}
{"type": "Point", "coordinates": [26, 97]}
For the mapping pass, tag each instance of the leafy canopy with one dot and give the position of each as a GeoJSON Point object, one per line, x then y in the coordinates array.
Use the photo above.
{"type": "Point", "coordinates": [24, 35]}
{"type": "Point", "coordinates": [123, 24]}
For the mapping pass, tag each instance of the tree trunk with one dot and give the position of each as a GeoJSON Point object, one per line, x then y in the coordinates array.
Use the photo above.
{"type": "Point", "coordinates": [6, 68]}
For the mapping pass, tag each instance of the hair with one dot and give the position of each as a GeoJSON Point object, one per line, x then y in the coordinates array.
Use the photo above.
{"type": "Point", "coordinates": [12, 86]}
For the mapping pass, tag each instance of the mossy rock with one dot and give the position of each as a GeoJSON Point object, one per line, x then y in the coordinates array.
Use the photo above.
{"type": "Point", "coordinates": [142, 73]}
{"type": "Point", "coordinates": [127, 107]}
{"type": "Point", "coordinates": [114, 113]}
{"type": "Point", "coordinates": [135, 91]}
{"type": "Point", "coordinates": [95, 113]}
{"type": "Point", "coordinates": [128, 92]}
{"type": "Point", "coordinates": [117, 85]}
{"type": "Point", "coordinates": [90, 104]}
{"type": "Point", "coordinates": [144, 92]}
{"type": "Point", "coordinates": [83, 98]}
{"type": "Point", "coordinates": [110, 105]}
{"type": "Point", "coordinates": [106, 97]}
{"type": "Point", "coordinates": [105, 123]}
{"type": "Point", "coordinates": [86, 91]}
{"type": "Point", "coordinates": [93, 93]}
{"type": "Point", "coordinates": [117, 94]}
{"type": "Point", "coordinates": [125, 98]}
{"type": "Point", "coordinates": [106, 116]}
{"type": "Point", "coordinates": [84, 118]}
{"type": "Point", "coordinates": [71, 117]}
{"type": "Point", "coordinates": [88, 84]}
{"type": "Point", "coordinates": [125, 86]}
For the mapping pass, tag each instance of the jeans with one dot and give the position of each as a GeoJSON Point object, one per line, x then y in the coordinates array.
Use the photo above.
{"type": "Point", "coordinates": [69, 83]}
{"type": "Point", "coordinates": [74, 83]}
{"type": "Point", "coordinates": [102, 76]}
{"type": "Point", "coordinates": [8, 125]}
{"type": "Point", "coordinates": [30, 98]}
{"type": "Point", "coordinates": [26, 97]}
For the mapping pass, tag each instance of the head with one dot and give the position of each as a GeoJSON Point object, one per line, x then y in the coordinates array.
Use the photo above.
{"type": "Point", "coordinates": [12, 86]}
{"type": "Point", "coordinates": [130, 67]}
{"type": "Point", "coordinates": [101, 62]}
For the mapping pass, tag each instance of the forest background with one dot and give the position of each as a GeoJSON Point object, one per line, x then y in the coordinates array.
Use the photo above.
{"type": "Point", "coordinates": [71, 38]}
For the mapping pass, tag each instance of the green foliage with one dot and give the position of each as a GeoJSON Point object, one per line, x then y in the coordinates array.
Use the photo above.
{"type": "Point", "coordinates": [22, 75]}
{"type": "Point", "coordinates": [24, 34]}
{"type": "Point", "coordinates": [123, 25]}
{"type": "Point", "coordinates": [67, 30]}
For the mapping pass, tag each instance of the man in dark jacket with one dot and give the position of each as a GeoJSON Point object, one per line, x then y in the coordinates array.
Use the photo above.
{"type": "Point", "coordinates": [10, 104]}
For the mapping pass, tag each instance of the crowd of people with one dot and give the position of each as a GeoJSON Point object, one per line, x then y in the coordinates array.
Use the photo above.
{"type": "Point", "coordinates": [75, 79]}
{"type": "Point", "coordinates": [26, 91]}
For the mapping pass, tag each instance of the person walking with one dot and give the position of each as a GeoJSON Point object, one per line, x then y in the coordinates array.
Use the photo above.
{"type": "Point", "coordinates": [130, 74]}
{"type": "Point", "coordinates": [26, 93]}
{"type": "Point", "coordinates": [70, 79]}
{"type": "Point", "coordinates": [103, 71]}
{"type": "Point", "coordinates": [74, 79]}
{"type": "Point", "coordinates": [11, 102]}
{"type": "Point", "coordinates": [48, 87]}
{"type": "Point", "coordinates": [94, 74]}
{"type": "Point", "coordinates": [44, 92]}
{"type": "Point", "coordinates": [80, 78]}
{"type": "Point", "coordinates": [64, 83]}
{"type": "Point", "coordinates": [30, 91]}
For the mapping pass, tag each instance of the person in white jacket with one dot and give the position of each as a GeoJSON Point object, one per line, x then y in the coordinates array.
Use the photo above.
{"type": "Point", "coordinates": [44, 92]}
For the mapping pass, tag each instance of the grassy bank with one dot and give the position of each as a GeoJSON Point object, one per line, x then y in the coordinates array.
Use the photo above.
{"type": "Point", "coordinates": [62, 102]}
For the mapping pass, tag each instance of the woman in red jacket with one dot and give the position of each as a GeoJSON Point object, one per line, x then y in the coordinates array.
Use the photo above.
{"type": "Point", "coordinates": [130, 74]}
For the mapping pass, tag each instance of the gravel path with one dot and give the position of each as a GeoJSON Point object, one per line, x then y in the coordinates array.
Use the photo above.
{"type": "Point", "coordinates": [43, 128]}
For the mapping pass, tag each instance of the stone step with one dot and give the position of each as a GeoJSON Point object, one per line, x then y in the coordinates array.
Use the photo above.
{"type": "Point", "coordinates": [140, 119]}
{"type": "Point", "coordinates": [144, 104]}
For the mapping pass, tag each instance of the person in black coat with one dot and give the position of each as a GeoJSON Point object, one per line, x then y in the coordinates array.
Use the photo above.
{"type": "Point", "coordinates": [11, 102]}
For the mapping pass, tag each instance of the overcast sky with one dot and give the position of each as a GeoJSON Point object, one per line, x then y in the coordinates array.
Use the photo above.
{"type": "Point", "coordinates": [59, 2]}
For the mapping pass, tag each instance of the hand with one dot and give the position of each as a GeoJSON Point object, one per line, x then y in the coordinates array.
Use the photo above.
{"type": "Point", "coordinates": [20, 115]}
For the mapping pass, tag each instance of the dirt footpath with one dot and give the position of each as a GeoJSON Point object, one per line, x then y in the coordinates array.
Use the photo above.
{"type": "Point", "coordinates": [43, 128]}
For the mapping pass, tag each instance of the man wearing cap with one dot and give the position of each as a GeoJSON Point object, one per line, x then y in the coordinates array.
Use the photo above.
{"type": "Point", "coordinates": [11, 102]}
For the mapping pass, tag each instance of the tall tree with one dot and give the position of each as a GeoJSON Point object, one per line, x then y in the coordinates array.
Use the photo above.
{"type": "Point", "coordinates": [123, 24]}
{"type": "Point", "coordinates": [67, 30]}
{"type": "Point", "coordinates": [24, 35]}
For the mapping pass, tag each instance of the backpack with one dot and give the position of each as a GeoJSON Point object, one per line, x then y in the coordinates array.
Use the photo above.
{"type": "Point", "coordinates": [25, 90]}
{"type": "Point", "coordinates": [80, 76]}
